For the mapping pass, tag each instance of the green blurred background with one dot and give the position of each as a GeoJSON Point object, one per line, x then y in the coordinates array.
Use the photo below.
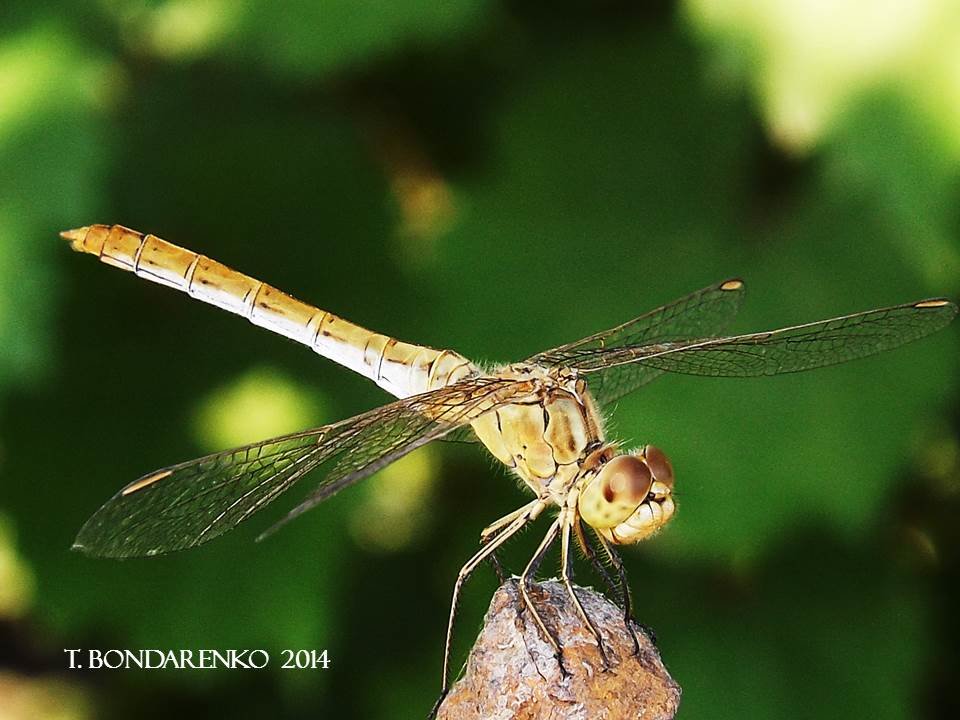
{"type": "Point", "coordinates": [495, 177]}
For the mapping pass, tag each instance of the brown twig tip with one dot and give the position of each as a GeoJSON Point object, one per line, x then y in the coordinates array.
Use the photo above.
{"type": "Point", "coordinates": [512, 673]}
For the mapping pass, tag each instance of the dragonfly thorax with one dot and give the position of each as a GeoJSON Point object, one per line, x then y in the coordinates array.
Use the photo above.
{"type": "Point", "coordinates": [627, 498]}
{"type": "Point", "coordinates": [543, 437]}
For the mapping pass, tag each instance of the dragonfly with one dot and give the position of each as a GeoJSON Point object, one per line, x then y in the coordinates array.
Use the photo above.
{"type": "Point", "coordinates": [541, 418]}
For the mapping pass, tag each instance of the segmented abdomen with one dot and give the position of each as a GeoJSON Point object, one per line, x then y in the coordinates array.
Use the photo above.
{"type": "Point", "coordinates": [401, 369]}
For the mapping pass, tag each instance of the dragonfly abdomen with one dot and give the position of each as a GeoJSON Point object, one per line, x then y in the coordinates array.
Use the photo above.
{"type": "Point", "coordinates": [400, 368]}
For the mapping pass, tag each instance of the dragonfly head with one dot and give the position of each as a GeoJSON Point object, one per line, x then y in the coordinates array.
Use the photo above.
{"type": "Point", "coordinates": [628, 497]}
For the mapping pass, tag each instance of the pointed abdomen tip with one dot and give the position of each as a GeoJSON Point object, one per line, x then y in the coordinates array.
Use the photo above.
{"type": "Point", "coordinates": [75, 236]}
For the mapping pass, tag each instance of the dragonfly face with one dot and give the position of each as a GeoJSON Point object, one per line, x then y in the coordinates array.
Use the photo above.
{"type": "Point", "coordinates": [629, 497]}
{"type": "Point", "coordinates": [540, 417]}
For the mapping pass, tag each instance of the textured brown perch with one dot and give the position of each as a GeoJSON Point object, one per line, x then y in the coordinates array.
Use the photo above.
{"type": "Point", "coordinates": [512, 674]}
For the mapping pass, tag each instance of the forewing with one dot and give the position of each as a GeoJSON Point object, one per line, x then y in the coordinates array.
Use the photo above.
{"type": "Point", "coordinates": [701, 314]}
{"type": "Point", "coordinates": [188, 504]}
{"type": "Point", "coordinates": [791, 349]}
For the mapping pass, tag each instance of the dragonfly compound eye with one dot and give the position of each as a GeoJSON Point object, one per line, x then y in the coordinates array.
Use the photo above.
{"type": "Point", "coordinates": [659, 465]}
{"type": "Point", "coordinates": [614, 493]}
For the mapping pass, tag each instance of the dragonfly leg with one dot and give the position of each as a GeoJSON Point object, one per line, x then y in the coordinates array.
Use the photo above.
{"type": "Point", "coordinates": [595, 561]}
{"type": "Point", "coordinates": [497, 568]}
{"type": "Point", "coordinates": [530, 570]}
{"type": "Point", "coordinates": [566, 521]}
{"type": "Point", "coordinates": [496, 525]}
{"type": "Point", "coordinates": [628, 620]}
{"type": "Point", "coordinates": [491, 530]}
{"type": "Point", "coordinates": [507, 531]}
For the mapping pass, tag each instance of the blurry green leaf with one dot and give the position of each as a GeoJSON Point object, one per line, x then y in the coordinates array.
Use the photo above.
{"type": "Point", "coordinates": [293, 40]}
{"type": "Point", "coordinates": [808, 62]}
{"type": "Point", "coordinates": [309, 39]}
{"type": "Point", "coordinates": [259, 405]}
{"type": "Point", "coordinates": [885, 150]}
{"type": "Point", "coordinates": [178, 29]}
{"type": "Point", "coordinates": [51, 94]}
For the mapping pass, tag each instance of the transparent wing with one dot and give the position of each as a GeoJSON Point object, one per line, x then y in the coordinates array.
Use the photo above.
{"type": "Point", "coordinates": [464, 434]}
{"type": "Point", "coordinates": [701, 314]}
{"type": "Point", "coordinates": [790, 349]}
{"type": "Point", "coordinates": [188, 504]}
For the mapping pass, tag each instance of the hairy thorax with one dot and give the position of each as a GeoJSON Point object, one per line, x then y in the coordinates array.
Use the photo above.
{"type": "Point", "coordinates": [543, 440]}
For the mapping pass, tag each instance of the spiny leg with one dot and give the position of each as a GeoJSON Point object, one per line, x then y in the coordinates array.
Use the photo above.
{"type": "Point", "coordinates": [494, 560]}
{"type": "Point", "coordinates": [566, 520]}
{"type": "Point", "coordinates": [530, 569]}
{"type": "Point", "coordinates": [591, 555]}
{"type": "Point", "coordinates": [620, 587]}
{"type": "Point", "coordinates": [628, 620]}
{"type": "Point", "coordinates": [505, 533]}
{"type": "Point", "coordinates": [497, 568]}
